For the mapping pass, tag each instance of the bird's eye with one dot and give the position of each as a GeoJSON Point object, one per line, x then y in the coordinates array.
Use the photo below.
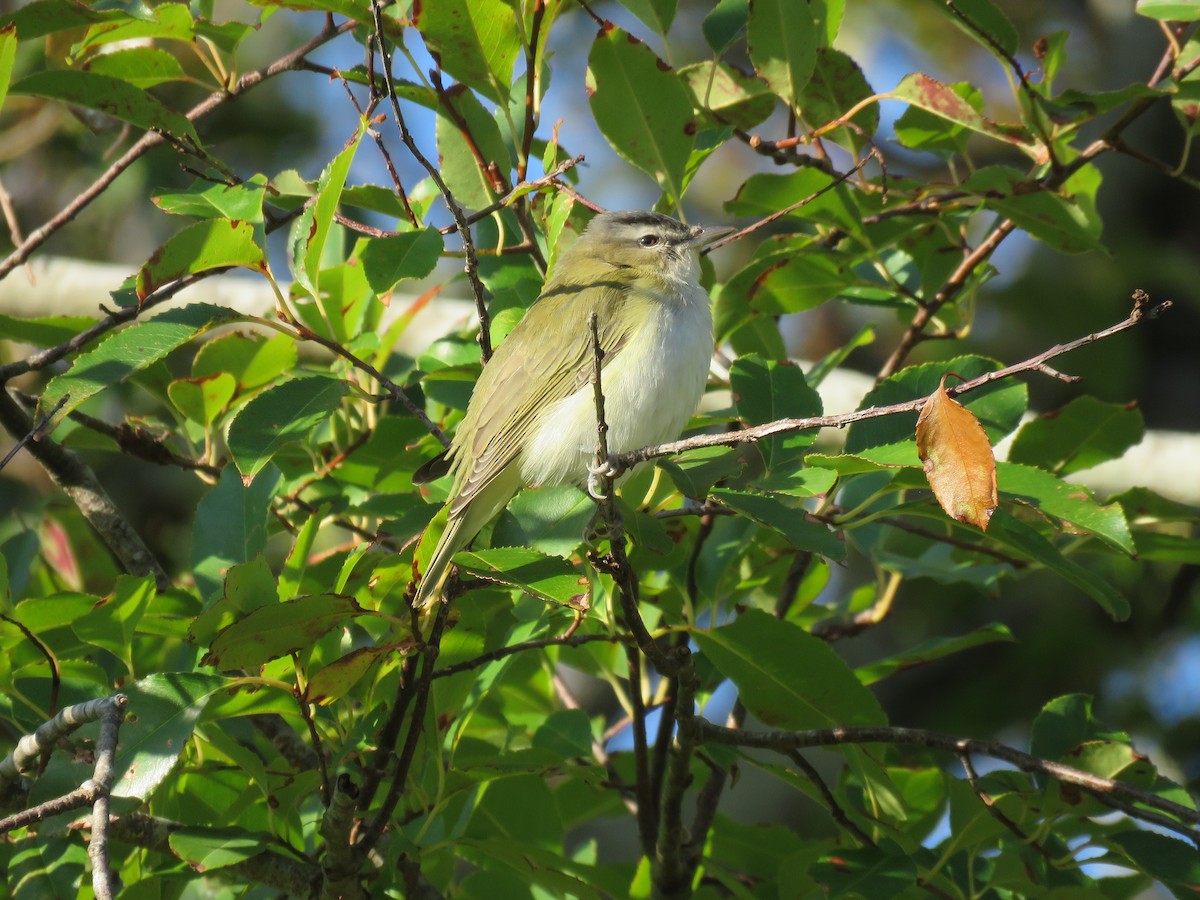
{"type": "Point", "coordinates": [648, 240]}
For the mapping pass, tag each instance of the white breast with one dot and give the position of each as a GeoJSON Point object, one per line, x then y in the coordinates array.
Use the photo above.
{"type": "Point", "coordinates": [651, 389]}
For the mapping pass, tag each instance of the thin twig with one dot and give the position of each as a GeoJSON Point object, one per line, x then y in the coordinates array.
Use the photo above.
{"type": "Point", "coordinates": [1142, 310]}
{"type": "Point", "coordinates": [472, 263]}
{"type": "Point", "coordinates": [151, 139]}
{"type": "Point", "coordinates": [574, 640]}
{"type": "Point", "coordinates": [995, 811]}
{"type": "Point", "coordinates": [104, 882]}
{"type": "Point", "coordinates": [836, 811]}
{"type": "Point", "coordinates": [1103, 789]}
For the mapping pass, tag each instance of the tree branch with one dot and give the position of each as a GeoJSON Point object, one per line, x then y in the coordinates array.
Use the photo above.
{"type": "Point", "coordinates": [1106, 790]}
{"type": "Point", "coordinates": [1142, 310]}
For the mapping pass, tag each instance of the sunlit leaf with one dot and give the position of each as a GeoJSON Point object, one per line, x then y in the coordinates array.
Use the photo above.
{"type": "Point", "coordinates": [958, 459]}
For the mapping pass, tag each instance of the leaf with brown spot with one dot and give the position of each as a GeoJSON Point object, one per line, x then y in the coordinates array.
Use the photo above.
{"type": "Point", "coordinates": [958, 459]}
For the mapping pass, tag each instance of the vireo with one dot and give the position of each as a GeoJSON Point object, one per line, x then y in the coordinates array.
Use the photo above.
{"type": "Point", "coordinates": [532, 416]}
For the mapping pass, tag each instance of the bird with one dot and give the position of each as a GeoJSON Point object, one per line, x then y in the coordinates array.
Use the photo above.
{"type": "Point", "coordinates": [531, 419]}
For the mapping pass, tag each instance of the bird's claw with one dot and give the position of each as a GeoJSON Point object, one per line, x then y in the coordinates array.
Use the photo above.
{"type": "Point", "coordinates": [599, 472]}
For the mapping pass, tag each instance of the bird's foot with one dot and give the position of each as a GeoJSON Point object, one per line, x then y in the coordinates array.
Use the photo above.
{"type": "Point", "coordinates": [598, 472]}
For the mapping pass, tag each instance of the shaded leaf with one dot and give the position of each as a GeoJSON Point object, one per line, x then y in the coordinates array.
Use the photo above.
{"type": "Point", "coordinates": [272, 631]}
{"type": "Point", "coordinates": [785, 676]}
{"type": "Point", "coordinates": [230, 527]}
{"type": "Point", "coordinates": [783, 41]}
{"type": "Point", "coordinates": [213, 244]}
{"type": "Point", "coordinates": [642, 107]}
{"type": "Point", "coordinates": [214, 848]}
{"type": "Point", "coordinates": [476, 41]}
{"type": "Point", "coordinates": [8, 55]}
{"type": "Point", "coordinates": [934, 648]}
{"type": "Point", "coordinates": [161, 714]}
{"type": "Point", "coordinates": [128, 351]}
{"type": "Point", "coordinates": [333, 681]}
{"type": "Point", "coordinates": [1084, 433]}
{"type": "Point", "coordinates": [549, 577]}
{"type": "Point", "coordinates": [787, 518]}
{"type": "Point", "coordinates": [388, 261]}
{"type": "Point", "coordinates": [108, 95]}
{"type": "Point", "coordinates": [278, 416]}
{"type": "Point", "coordinates": [1059, 221]}
{"type": "Point", "coordinates": [1028, 542]}
{"type": "Point", "coordinates": [943, 101]}
{"type": "Point", "coordinates": [958, 459]}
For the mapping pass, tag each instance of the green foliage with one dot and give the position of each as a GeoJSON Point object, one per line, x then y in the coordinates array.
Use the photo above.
{"type": "Point", "coordinates": [282, 694]}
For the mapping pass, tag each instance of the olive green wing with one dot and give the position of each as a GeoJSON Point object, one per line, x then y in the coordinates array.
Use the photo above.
{"type": "Point", "coordinates": [529, 371]}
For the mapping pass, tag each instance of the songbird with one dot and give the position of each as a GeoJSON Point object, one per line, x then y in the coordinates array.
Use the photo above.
{"type": "Point", "coordinates": [532, 415]}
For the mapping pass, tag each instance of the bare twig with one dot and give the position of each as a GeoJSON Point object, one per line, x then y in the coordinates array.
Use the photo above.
{"type": "Point", "coordinates": [1142, 310]}
{"type": "Point", "coordinates": [104, 884]}
{"type": "Point", "coordinates": [472, 263]}
{"type": "Point", "coordinates": [340, 866]}
{"type": "Point", "coordinates": [838, 814]}
{"type": "Point", "coordinates": [71, 474]}
{"type": "Point", "coordinates": [151, 139]}
{"type": "Point", "coordinates": [574, 640]}
{"type": "Point", "coordinates": [1104, 789]}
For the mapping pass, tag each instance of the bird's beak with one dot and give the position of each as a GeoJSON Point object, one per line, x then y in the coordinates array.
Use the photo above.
{"type": "Point", "coordinates": [703, 235]}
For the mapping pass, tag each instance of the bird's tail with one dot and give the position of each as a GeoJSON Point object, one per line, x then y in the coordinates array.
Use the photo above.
{"type": "Point", "coordinates": [454, 531]}
{"type": "Point", "coordinates": [449, 541]}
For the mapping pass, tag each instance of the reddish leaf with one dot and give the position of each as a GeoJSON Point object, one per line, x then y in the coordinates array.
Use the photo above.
{"type": "Point", "coordinates": [958, 459]}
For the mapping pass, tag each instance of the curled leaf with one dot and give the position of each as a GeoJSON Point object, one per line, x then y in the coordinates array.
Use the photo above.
{"type": "Point", "coordinates": [958, 459]}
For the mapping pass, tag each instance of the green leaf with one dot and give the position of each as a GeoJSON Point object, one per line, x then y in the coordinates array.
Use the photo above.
{"type": "Point", "coordinates": [836, 86]}
{"type": "Point", "coordinates": [1027, 541]}
{"type": "Point", "coordinates": [253, 360]}
{"type": "Point", "coordinates": [733, 97]}
{"type": "Point", "coordinates": [986, 23]}
{"type": "Point", "coordinates": [787, 518]}
{"type": "Point", "coordinates": [113, 621]}
{"type": "Point", "coordinates": [1170, 10]}
{"type": "Point", "coordinates": [128, 351]}
{"type": "Point", "coordinates": [725, 23]}
{"type": "Point", "coordinates": [658, 14]}
{"type": "Point", "coordinates": [1084, 433]}
{"type": "Point", "coordinates": [945, 102]}
{"type": "Point", "coordinates": [312, 227]}
{"type": "Point", "coordinates": [1072, 503]}
{"type": "Point", "coordinates": [766, 193]}
{"type": "Point", "coordinates": [278, 416]}
{"type": "Point", "coordinates": [566, 732]}
{"type": "Point", "coordinates": [161, 714]}
{"type": "Point", "coordinates": [247, 587]}
{"type": "Point", "coordinates": [1065, 723]}
{"type": "Point", "coordinates": [388, 261]}
{"type": "Point", "coordinates": [205, 200]}
{"type": "Point", "coordinates": [476, 41]}
{"type": "Point", "coordinates": [468, 139]}
{"type": "Point", "coordinates": [214, 848]}
{"type": "Point", "coordinates": [853, 872]}
{"type": "Point", "coordinates": [642, 107]}
{"type": "Point", "coordinates": [230, 526]}
{"type": "Point", "coordinates": [8, 55]}
{"type": "Point", "coordinates": [549, 577]}
{"type": "Point", "coordinates": [766, 391]}
{"type": "Point", "coordinates": [783, 41]}
{"type": "Point", "coordinates": [212, 244]}
{"type": "Point", "coordinates": [334, 681]}
{"type": "Point", "coordinates": [919, 129]}
{"type": "Point", "coordinates": [1058, 221]}
{"type": "Point", "coordinates": [108, 95]}
{"type": "Point", "coordinates": [44, 17]}
{"type": "Point", "coordinates": [277, 630]}
{"type": "Point", "coordinates": [934, 648]}
{"type": "Point", "coordinates": [786, 677]}
{"type": "Point", "coordinates": [142, 67]}
{"type": "Point", "coordinates": [998, 406]}
{"type": "Point", "coordinates": [1163, 858]}
{"type": "Point", "coordinates": [202, 399]}
{"type": "Point", "coordinates": [171, 21]}
{"type": "Point", "coordinates": [44, 331]}
{"type": "Point", "coordinates": [549, 518]}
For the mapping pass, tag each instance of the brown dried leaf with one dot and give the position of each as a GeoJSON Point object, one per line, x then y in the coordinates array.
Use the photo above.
{"type": "Point", "coordinates": [958, 459]}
